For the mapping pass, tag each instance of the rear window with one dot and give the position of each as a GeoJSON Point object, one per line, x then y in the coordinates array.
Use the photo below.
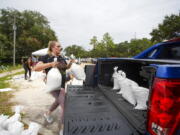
{"type": "Point", "coordinates": [151, 54]}
{"type": "Point", "coordinates": [170, 52]}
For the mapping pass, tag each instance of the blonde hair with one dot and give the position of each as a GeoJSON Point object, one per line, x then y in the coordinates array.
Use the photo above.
{"type": "Point", "coordinates": [51, 44]}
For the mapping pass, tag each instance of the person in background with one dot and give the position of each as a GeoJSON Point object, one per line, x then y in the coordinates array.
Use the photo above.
{"type": "Point", "coordinates": [27, 65]}
{"type": "Point", "coordinates": [46, 63]}
{"type": "Point", "coordinates": [34, 61]}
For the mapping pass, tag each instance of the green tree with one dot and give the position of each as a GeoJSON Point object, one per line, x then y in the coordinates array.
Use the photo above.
{"type": "Point", "coordinates": [4, 46]}
{"type": "Point", "coordinates": [122, 49]}
{"type": "Point", "coordinates": [138, 45]}
{"type": "Point", "coordinates": [132, 48]}
{"type": "Point", "coordinates": [103, 48]}
{"type": "Point", "coordinates": [76, 50]}
{"type": "Point", "coordinates": [33, 31]}
{"type": "Point", "coordinates": [94, 42]}
{"type": "Point", "coordinates": [167, 29]}
{"type": "Point", "coordinates": [107, 41]}
{"type": "Point", "coordinates": [107, 48]}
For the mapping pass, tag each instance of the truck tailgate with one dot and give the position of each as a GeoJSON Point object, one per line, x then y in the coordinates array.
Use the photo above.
{"type": "Point", "coordinates": [89, 112]}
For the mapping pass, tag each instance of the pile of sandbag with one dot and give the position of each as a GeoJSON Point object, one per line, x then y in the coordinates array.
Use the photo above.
{"type": "Point", "coordinates": [77, 71]}
{"type": "Point", "coordinates": [54, 77]}
{"type": "Point", "coordinates": [13, 125]}
{"type": "Point", "coordinates": [130, 90]}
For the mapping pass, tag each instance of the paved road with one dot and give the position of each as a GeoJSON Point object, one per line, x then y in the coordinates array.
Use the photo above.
{"type": "Point", "coordinates": [10, 72]}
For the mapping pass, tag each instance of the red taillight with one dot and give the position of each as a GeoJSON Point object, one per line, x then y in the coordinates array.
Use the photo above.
{"type": "Point", "coordinates": [164, 107]}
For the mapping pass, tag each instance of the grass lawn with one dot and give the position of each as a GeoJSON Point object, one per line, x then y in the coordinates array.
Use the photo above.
{"type": "Point", "coordinates": [7, 68]}
{"type": "Point", "coordinates": [5, 105]}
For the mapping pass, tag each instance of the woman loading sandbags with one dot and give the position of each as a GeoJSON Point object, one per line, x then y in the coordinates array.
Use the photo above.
{"type": "Point", "coordinates": [46, 63]}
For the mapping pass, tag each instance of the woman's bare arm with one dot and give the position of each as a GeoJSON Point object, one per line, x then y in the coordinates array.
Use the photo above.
{"type": "Point", "coordinates": [41, 66]}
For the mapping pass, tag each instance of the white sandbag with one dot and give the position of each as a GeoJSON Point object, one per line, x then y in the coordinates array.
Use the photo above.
{"type": "Point", "coordinates": [72, 56]}
{"type": "Point", "coordinates": [115, 79]}
{"type": "Point", "coordinates": [6, 89]}
{"type": "Point", "coordinates": [32, 130]}
{"type": "Point", "coordinates": [16, 128]}
{"type": "Point", "coordinates": [37, 75]}
{"type": "Point", "coordinates": [54, 80]}
{"type": "Point", "coordinates": [11, 120]}
{"type": "Point", "coordinates": [126, 87]}
{"type": "Point", "coordinates": [18, 108]}
{"type": "Point", "coordinates": [76, 82]}
{"type": "Point", "coordinates": [122, 76]}
{"type": "Point", "coordinates": [78, 72]}
{"type": "Point", "coordinates": [4, 132]}
{"type": "Point", "coordinates": [122, 80]}
{"type": "Point", "coordinates": [116, 84]}
{"type": "Point", "coordinates": [3, 118]}
{"type": "Point", "coordinates": [141, 95]}
{"type": "Point", "coordinates": [127, 93]}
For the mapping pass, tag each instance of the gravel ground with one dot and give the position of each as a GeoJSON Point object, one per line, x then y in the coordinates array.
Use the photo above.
{"type": "Point", "coordinates": [36, 101]}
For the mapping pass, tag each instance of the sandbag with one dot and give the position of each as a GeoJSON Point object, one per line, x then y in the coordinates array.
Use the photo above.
{"type": "Point", "coordinates": [76, 82]}
{"type": "Point", "coordinates": [37, 75]}
{"type": "Point", "coordinates": [127, 93]}
{"type": "Point", "coordinates": [16, 128]}
{"type": "Point", "coordinates": [54, 80]}
{"type": "Point", "coordinates": [78, 72]}
{"type": "Point", "coordinates": [115, 79]}
{"type": "Point", "coordinates": [3, 118]}
{"type": "Point", "coordinates": [32, 130]}
{"type": "Point", "coordinates": [122, 80]}
{"type": "Point", "coordinates": [141, 95]}
{"type": "Point", "coordinates": [9, 123]}
{"type": "Point", "coordinates": [126, 87]}
{"type": "Point", "coordinates": [5, 132]}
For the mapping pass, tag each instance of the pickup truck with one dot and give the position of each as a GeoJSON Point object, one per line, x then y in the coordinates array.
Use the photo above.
{"type": "Point", "coordinates": [96, 109]}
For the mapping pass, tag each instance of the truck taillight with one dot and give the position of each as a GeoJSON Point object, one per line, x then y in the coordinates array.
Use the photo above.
{"type": "Point", "coordinates": [164, 107]}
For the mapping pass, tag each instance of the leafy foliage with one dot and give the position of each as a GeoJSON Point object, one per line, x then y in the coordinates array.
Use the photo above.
{"type": "Point", "coordinates": [76, 50]}
{"type": "Point", "coordinates": [168, 29]}
{"type": "Point", "coordinates": [33, 32]}
{"type": "Point", "coordinates": [107, 48]}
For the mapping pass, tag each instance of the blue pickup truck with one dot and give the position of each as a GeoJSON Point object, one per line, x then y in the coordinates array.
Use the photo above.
{"type": "Point", "coordinates": [95, 109]}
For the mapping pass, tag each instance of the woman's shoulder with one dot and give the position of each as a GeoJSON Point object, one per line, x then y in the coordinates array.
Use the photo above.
{"type": "Point", "coordinates": [44, 58]}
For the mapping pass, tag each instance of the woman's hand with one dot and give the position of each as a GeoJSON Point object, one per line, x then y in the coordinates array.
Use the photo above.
{"type": "Point", "coordinates": [62, 66]}
{"type": "Point", "coordinates": [54, 64]}
{"type": "Point", "coordinates": [72, 60]}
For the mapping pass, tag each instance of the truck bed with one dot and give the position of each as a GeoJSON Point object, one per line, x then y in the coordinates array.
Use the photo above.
{"type": "Point", "coordinates": [89, 111]}
{"type": "Point", "coordinates": [95, 109]}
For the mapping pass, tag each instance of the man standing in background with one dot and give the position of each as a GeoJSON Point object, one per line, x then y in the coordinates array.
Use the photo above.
{"type": "Point", "coordinates": [27, 63]}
